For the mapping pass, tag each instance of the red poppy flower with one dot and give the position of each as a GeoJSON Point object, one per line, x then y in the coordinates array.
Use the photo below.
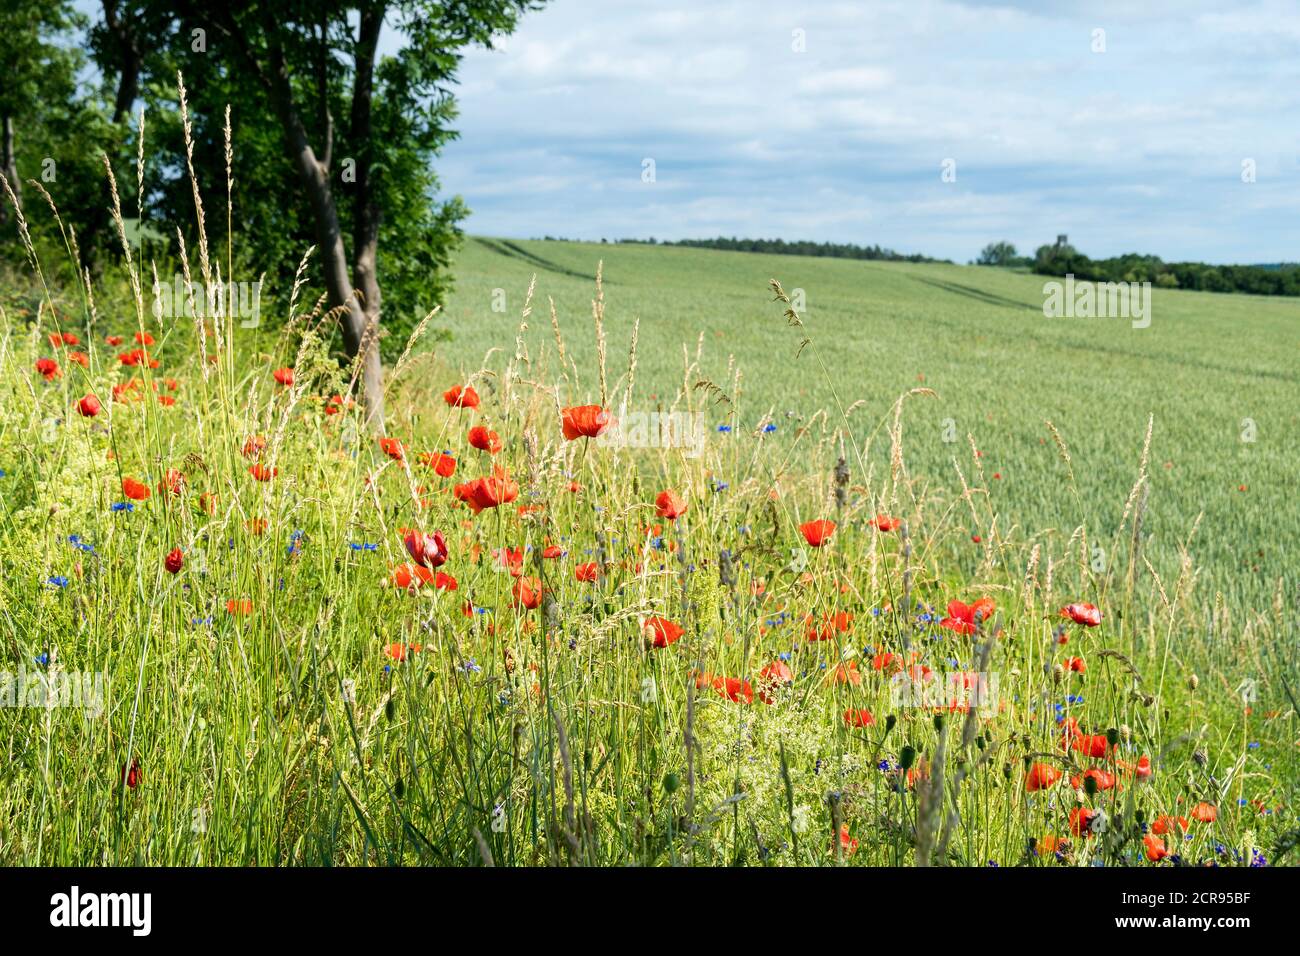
{"type": "Point", "coordinates": [527, 593]}
{"type": "Point", "coordinates": [241, 606]}
{"type": "Point", "coordinates": [89, 406]}
{"type": "Point", "coordinates": [484, 439]}
{"type": "Point", "coordinates": [81, 358]}
{"type": "Point", "coordinates": [1140, 770]}
{"type": "Point", "coordinates": [847, 673]}
{"type": "Point", "coordinates": [841, 622]}
{"type": "Point", "coordinates": [964, 618]}
{"type": "Point", "coordinates": [1042, 776]}
{"type": "Point", "coordinates": [661, 632]}
{"type": "Point", "coordinates": [393, 448]}
{"type": "Point", "coordinates": [1082, 820]}
{"type": "Point", "coordinates": [334, 405]}
{"type": "Point", "coordinates": [671, 505]}
{"type": "Point", "coordinates": [262, 472]}
{"type": "Point", "coordinates": [48, 368]}
{"type": "Point", "coordinates": [1101, 778]}
{"type": "Point", "coordinates": [458, 397]}
{"type": "Point", "coordinates": [442, 464]}
{"type": "Point", "coordinates": [817, 533]}
{"type": "Point", "coordinates": [428, 550]}
{"type": "Point", "coordinates": [734, 689]}
{"type": "Point", "coordinates": [208, 502]}
{"type": "Point", "coordinates": [143, 338]}
{"type": "Point", "coordinates": [552, 551]}
{"type": "Point", "coordinates": [173, 483]}
{"type": "Point", "coordinates": [585, 421]}
{"type": "Point", "coordinates": [848, 844]}
{"type": "Point", "coordinates": [859, 718]}
{"type": "Point", "coordinates": [1091, 745]}
{"type": "Point", "coordinates": [587, 572]}
{"type": "Point", "coordinates": [174, 561]}
{"type": "Point", "coordinates": [1086, 614]}
{"type": "Point", "coordinates": [166, 401]}
{"type": "Point", "coordinates": [1050, 844]}
{"type": "Point", "coordinates": [137, 357]}
{"type": "Point", "coordinates": [113, 340]}
{"type": "Point", "coordinates": [284, 376]}
{"type": "Point", "coordinates": [254, 445]}
{"type": "Point", "coordinates": [1205, 812]}
{"type": "Point", "coordinates": [1166, 824]}
{"type": "Point", "coordinates": [490, 492]}
{"type": "Point", "coordinates": [400, 652]}
{"type": "Point", "coordinates": [411, 576]}
{"type": "Point", "coordinates": [887, 523]}
{"type": "Point", "coordinates": [1076, 664]}
{"type": "Point", "coordinates": [1155, 848]}
{"type": "Point", "coordinates": [135, 490]}
{"type": "Point", "coordinates": [886, 659]}
{"type": "Point", "coordinates": [132, 776]}
{"type": "Point", "coordinates": [774, 675]}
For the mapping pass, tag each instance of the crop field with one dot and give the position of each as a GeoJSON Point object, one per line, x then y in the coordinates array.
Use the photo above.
{"type": "Point", "coordinates": [936, 580]}
{"type": "Point", "coordinates": [1216, 373]}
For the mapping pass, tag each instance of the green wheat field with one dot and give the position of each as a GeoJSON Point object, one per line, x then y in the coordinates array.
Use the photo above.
{"type": "Point", "coordinates": [899, 479]}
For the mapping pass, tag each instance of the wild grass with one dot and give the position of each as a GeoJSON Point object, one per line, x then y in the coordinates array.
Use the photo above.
{"type": "Point", "coordinates": [284, 700]}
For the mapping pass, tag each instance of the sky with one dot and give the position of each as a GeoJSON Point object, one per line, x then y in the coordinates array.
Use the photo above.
{"type": "Point", "coordinates": [836, 121]}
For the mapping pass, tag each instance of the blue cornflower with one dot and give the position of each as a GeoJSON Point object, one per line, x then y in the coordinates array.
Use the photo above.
{"type": "Point", "coordinates": [42, 659]}
{"type": "Point", "coordinates": [724, 428]}
{"type": "Point", "coordinates": [770, 427]}
{"type": "Point", "coordinates": [363, 546]}
{"type": "Point", "coordinates": [471, 667]}
{"type": "Point", "coordinates": [58, 581]}
{"type": "Point", "coordinates": [121, 506]}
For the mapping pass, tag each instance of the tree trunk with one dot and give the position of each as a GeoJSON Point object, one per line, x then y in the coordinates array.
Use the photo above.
{"type": "Point", "coordinates": [10, 168]}
{"type": "Point", "coordinates": [128, 80]}
{"type": "Point", "coordinates": [357, 332]}
{"type": "Point", "coordinates": [365, 232]}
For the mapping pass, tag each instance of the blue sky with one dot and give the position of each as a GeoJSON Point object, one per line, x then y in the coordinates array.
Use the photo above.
{"type": "Point", "coordinates": [1137, 148]}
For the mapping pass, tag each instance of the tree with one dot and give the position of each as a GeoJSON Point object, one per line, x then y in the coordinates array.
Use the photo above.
{"type": "Point", "coordinates": [40, 67]}
{"type": "Point", "coordinates": [323, 117]}
{"type": "Point", "coordinates": [997, 254]}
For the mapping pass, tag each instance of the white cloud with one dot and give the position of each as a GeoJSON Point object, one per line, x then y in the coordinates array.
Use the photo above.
{"type": "Point", "coordinates": [843, 141]}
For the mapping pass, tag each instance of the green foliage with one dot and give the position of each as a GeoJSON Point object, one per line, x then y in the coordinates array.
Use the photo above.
{"type": "Point", "coordinates": [1057, 260]}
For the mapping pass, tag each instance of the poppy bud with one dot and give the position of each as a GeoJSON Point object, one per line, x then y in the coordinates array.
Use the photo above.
{"type": "Point", "coordinates": [399, 788]}
{"type": "Point", "coordinates": [1090, 785]}
{"type": "Point", "coordinates": [1140, 815]}
{"type": "Point", "coordinates": [390, 709]}
{"type": "Point", "coordinates": [671, 783]}
{"type": "Point", "coordinates": [1112, 736]}
{"type": "Point", "coordinates": [907, 757]}
{"type": "Point", "coordinates": [1200, 757]}
{"type": "Point", "coordinates": [890, 722]}
{"type": "Point", "coordinates": [174, 561]}
{"type": "Point", "coordinates": [1006, 770]}
{"type": "Point", "coordinates": [938, 723]}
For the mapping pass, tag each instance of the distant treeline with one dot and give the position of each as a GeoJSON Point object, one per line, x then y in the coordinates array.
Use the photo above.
{"type": "Point", "coordinates": [799, 247]}
{"type": "Point", "coordinates": [1061, 258]}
